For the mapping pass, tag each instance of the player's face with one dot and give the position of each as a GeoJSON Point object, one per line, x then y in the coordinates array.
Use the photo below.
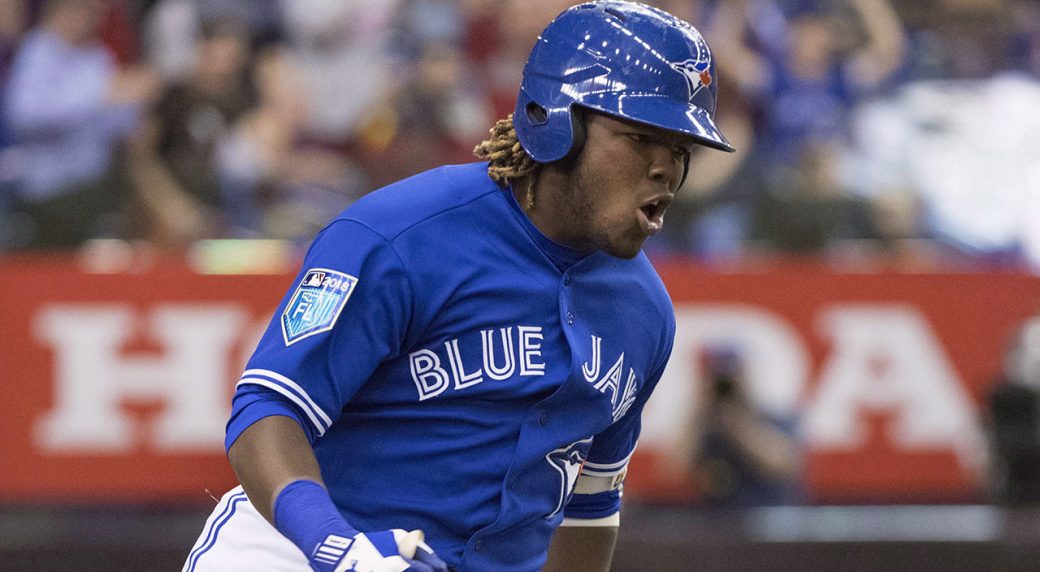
{"type": "Point", "coordinates": [622, 184]}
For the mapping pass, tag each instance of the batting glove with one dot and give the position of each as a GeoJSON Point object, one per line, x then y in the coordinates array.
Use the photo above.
{"type": "Point", "coordinates": [385, 551]}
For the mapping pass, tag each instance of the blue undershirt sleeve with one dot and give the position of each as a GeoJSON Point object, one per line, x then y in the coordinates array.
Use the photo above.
{"type": "Point", "coordinates": [597, 505]}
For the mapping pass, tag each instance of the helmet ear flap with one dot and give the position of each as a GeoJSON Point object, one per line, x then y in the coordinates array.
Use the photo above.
{"type": "Point", "coordinates": [536, 115]}
{"type": "Point", "coordinates": [578, 131]}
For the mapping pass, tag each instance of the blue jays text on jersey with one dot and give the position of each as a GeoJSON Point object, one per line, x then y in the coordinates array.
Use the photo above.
{"type": "Point", "coordinates": [456, 370]}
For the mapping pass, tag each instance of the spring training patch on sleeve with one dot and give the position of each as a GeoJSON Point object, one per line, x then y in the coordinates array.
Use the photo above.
{"type": "Point", "coordinates": [316, 304]}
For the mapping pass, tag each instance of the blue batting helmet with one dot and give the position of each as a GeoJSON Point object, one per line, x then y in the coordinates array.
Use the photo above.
{"type": "Point", "coordinates": [624, 59]}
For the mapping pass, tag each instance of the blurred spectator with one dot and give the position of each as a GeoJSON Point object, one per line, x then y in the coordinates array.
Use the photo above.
{"type": "Point", "coordinates": [969, 152]}
{"type": "Point", "coordinates": [118, 31]}
{"type": "Point", "coordinates": [274, 184]}
{"type": "Point", "coordinates": [742, 456]}
{"type": "Point", "coordinates": [172, 158]}
{"type": "Point", "coordinates": [173, 29]}
{"type": "Point", "coordinates": [68, 107]}
{"type": "Point", "coordinates": [433, 118]}
{"type": "Point", "coordinates": [822, 155]}
{"type": "Point", "coordinates": [1026, 36]}
{"type": "Point", "coordinates": [343, 62]}
{"type": "Point", "coordinates": [13, 20]}
{"type": "Point", "coordinates": [805, 72]}
{"type": "Point", "coordinates": [264, 19]}
{"type": "Point", "coordinates": [804, 64]}
{"type": "Point", "coordinates": [960, 136]}
{"type": "Point", "coordinates": [1014, 421]}
{"type": "Point", "coordinates": [424, 22]}
{"type": "Point", "coordinates": [480, 36]}
{"type": "Point", "coordinates": [805, 208]}
{"type": "Point", "coordinates": [958, 39]}
{"type": "Point", "coordinates": [434, 109]}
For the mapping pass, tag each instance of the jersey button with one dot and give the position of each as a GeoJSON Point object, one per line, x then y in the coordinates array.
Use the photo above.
{"type": "Point", "coordinates": [567, 280]}
{"type": "Point", "coordinates": [478, 545]}
{"type": "Point", "coordinates": [544, 419]}
{"type": "Point", "coordinates": [570, 318]}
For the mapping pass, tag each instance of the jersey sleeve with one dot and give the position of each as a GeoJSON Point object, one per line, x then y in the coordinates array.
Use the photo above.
{"type": "Point", "coordinates": [347, 310]}
{"type": "Point", "coordinates": [597, 492]}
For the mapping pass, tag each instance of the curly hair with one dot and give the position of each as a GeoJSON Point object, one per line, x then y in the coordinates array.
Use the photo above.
{"type": "Point", "coordinates": [508, 159]}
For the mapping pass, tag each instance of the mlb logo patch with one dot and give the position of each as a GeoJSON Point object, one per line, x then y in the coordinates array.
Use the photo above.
{"type": "Point", "coordinates": [316, 304]}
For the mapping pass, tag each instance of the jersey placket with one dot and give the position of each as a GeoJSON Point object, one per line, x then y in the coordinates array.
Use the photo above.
{"type": "Point", "coordinates": [574, 412]}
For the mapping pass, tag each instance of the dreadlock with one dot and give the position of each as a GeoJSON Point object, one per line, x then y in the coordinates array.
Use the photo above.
{"type": "Point", "coordinates": [508, 158]}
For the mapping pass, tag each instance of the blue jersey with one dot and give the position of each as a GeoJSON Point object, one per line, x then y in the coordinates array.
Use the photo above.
{"type": "Point", "coordinates": [456, 370]}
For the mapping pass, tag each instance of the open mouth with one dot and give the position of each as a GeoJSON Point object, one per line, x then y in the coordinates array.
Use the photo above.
{"type": "Point", "coordinates": [652, 210]}
{"type": "Point", "coordinates": [653, 215]}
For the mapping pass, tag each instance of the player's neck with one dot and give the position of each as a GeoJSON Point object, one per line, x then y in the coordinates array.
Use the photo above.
{"type": "Point", "coordinates": [539, 197]}
{"type": "Point", "coordinates": [524, 192]}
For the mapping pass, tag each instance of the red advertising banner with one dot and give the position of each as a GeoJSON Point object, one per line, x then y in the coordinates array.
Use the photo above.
{"type": "Point", "coordinates": [116, 386]}
{"type": "Point", "coordinates": [885, 374]}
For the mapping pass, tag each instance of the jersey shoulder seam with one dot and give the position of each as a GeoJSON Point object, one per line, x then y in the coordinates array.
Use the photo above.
{"type": "Point", "coordinates": [451, 183]}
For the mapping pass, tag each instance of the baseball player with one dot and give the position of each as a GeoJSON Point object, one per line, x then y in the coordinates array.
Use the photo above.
{"type": "Point", "coordinates": [455, 379]}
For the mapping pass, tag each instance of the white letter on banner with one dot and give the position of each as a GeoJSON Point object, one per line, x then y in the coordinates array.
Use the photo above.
{"type": "Point", "coordinates": [887, 359]}
{"type": "Point", "coordinates": [93, 377]}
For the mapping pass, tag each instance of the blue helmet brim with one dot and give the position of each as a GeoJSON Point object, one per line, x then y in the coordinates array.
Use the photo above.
{"type": "Point", "coordinates": [660, 111]}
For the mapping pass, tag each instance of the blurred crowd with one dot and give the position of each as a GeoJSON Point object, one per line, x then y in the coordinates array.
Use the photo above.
{"type": "Point", "coordinates": [901, 128]}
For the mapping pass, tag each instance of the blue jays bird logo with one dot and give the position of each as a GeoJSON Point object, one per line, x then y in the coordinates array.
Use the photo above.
{"type": "Point", "coordinates": [567, 461]}
{"type": "Point", "coordinates": [697, 73]}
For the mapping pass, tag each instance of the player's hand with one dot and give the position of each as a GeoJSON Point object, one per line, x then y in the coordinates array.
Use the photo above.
{"type": "Point", "coordinates": [389, 551]}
